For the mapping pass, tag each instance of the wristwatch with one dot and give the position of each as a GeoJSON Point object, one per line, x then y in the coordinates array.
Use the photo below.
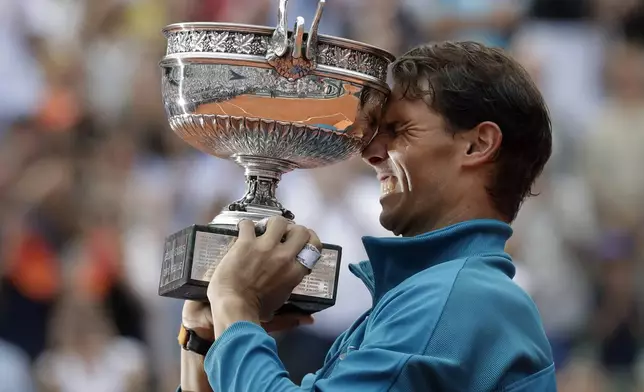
{"type": "Point", "coordinates": [190, 341]}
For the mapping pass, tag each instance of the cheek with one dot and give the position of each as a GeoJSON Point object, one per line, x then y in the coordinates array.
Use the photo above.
{"type": "Point", "coordinates": [412, 171]}
{"type": "Point", "coordinates": [404, 162]}
{"type": "Point", "coordinates": [422, 170]}
{"type": "Point", "coordinates": [403, 176]}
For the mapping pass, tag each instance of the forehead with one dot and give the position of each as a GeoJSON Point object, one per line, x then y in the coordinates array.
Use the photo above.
{"type": "Point", "coordinates": [400, 109]}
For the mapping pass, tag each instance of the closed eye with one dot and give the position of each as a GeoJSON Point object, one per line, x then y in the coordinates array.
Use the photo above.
{"type": "Point", "coordinates": [390, 127]}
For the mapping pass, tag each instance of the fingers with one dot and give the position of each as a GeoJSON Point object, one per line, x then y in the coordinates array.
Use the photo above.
{"type": "Point", "coordinates": [275, 229]}
{"type": "Point", "coordinates": [315, 240]}
{"type": "Point", "coordinates": [296, 237]}
{"type": "Point", "coordinates": [198, 317]}
{"type": "Point", "coordinates": [288, 239]}
{"type": "Point", "coordinates": [246, 229]}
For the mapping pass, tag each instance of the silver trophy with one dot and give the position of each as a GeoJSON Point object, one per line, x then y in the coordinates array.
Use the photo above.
{"type": "Point", "coordinates": [272, 100]}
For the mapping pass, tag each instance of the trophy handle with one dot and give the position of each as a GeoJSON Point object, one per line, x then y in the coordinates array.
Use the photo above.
{"type": "Point", "coordinates": [312, 41]}
{"type": "Point", "coordinates": [295, 64]}
{"type": "Point", "coordinates": [279, 40]}
{"type": "Point", "coordinates": [298, 37]}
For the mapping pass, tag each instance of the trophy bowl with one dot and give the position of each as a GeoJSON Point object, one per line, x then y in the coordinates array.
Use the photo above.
{"type": "Point", "coordinates": [272, 100]}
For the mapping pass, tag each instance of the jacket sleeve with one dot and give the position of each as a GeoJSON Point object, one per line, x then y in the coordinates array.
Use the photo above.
{"type": "Point", "coordinates": [464, 334]}
{"type": "Point", "coordinates": [393, 356]}
{"type": "Point", "coordinates": [245, 359]}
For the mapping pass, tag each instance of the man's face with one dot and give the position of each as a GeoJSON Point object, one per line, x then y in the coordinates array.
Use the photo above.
{"type": "Point", "coordinates": [416, 161]}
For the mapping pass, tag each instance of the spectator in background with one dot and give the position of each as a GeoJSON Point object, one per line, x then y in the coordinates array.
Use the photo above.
{"type": "Point", "coordinates": [32, 250]}
{"type": "Point", "coordinates": [15, 370]}
{"type": "Point", "coordinates": [613, 149]}
{"type": "Point", "coordinates": [23, 80]}
{"type": "Point", "coordinates": [87, 355]}
{"type": "Point", "coordinates": [487, 21]}
{"type": "Point", "coordinates": [550, 233]}
{"type": "Point", "coordinates": [96, 273]}
{"type": "Point", "coordinates": [568, 45]}
{"type": "Point", "coordinates": [612, 162]}
{"type": "Point", "coordinates": [372, 19]}
{"type": "Point", "coordinates": [617, 325]}
{"type": "Point", "coordinates": [633, 25]}
{"type": "Point", "coordinates": [110, 63]}
{"type": "Point", "coordinates": [550, 269]}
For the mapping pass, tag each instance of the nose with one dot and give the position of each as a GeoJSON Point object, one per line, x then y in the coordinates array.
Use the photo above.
{"type": "Point", "coordinates": [376, 151]}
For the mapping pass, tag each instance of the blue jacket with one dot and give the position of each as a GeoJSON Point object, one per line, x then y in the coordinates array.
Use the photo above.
{"type": "Point", "coordinates": [446, 316]}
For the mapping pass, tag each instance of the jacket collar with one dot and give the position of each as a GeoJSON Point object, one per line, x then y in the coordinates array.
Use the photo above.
{"type": "Point", "coordinates": [394, 259]}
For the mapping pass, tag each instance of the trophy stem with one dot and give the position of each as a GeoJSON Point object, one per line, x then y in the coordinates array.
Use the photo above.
{"type": "Point", "coordinates": [260, 201]}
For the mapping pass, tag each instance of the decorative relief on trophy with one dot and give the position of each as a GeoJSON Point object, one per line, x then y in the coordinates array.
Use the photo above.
{"type": "Point", "coordinates": [272, 100]}
{"type": "Point", "coordinates": [256, 44]}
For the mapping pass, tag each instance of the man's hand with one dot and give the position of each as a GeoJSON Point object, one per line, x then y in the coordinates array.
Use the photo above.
{"type": "Point", "coordinates": [258, 274]}
{"type": "Point", "coordinates": [198, 317]}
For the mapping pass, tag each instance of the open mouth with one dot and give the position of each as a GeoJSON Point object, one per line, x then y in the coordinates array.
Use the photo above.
{"type": "Point", "coordinates": [387, 185]}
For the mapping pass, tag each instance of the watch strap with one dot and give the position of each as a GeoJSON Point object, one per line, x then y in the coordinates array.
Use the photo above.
{"type": "Point", "coordinates": [190, 341]}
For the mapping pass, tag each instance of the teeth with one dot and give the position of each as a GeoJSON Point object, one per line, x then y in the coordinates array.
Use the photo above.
{"type": "Point", "coordinates": [387, 186]}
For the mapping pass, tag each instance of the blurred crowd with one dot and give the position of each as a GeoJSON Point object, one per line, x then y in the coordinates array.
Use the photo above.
{"type": "Point", "coordinates": [92, 179]}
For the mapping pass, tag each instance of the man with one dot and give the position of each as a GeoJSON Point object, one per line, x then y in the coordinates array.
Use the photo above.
{"type": "Point", "coordinates": [464, 135]}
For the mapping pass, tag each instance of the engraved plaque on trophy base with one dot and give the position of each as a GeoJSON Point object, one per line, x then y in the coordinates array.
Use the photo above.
{"type": "Point", "coordinates": [192, 254]}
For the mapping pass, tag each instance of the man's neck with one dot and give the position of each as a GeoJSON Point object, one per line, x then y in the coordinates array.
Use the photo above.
{"type": "Point", "coordinates": [460, 213]}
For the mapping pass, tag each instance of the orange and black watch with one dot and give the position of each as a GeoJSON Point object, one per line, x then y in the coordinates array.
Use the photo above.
{"type": "Point", "coordinates": [190, 341]}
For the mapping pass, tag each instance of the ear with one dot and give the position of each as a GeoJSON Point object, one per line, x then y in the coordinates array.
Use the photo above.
{"type": "Point", "coordinates": [481, 144]}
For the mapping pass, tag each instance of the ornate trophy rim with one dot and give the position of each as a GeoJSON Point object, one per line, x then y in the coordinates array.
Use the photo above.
{"type": "Point", "coordinates": [345, 75]}
{"type": "Point", "coordinates": [265, 30]}
{"type": "Point", "coordinates": [217, 43]}
{"type": "Point", "coordinates": [292, 53]}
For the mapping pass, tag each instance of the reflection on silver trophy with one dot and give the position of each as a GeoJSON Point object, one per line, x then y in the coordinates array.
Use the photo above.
{"type": "Point", "coordinates": [272, 100]}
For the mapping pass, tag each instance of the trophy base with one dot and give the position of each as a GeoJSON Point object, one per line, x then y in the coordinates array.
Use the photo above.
{"type": "Point", "coordinates": [192, 254]}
